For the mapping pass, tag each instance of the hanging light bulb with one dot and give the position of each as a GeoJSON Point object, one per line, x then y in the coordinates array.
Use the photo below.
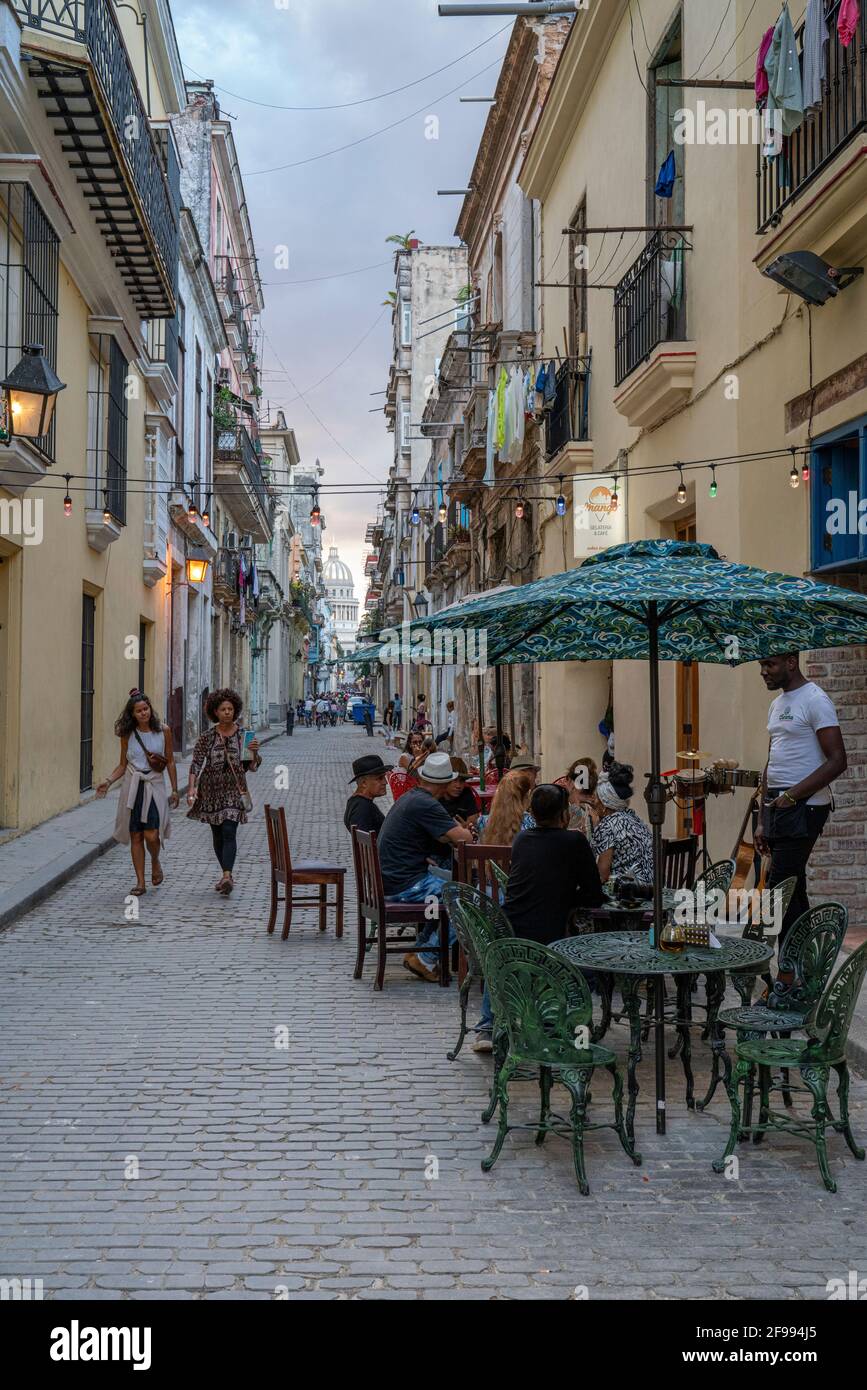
{"type": "Point", "coordinates": [206, 514]}
{"type": "Point", "coordinates": [561, 501]}
{"type": "Point", "coordinates": [681, 491]}
{"type": "Point", "coordinates": [191, 512]}
{"type": "Point", "coordinates": [519, 508]}
{"type": "Point", "coordinates": [615, 496]}
{"type": "Point", "coordinates": [443, 512]}
{"type": "Point", "coordinates": [794, 478]}
{"type": "Point", "coordinates": [805, 471]}
{"type": "Point", "coordinates": [106, 514]}
{"type": "Point", "coordinates": [713, 484]}
{"type": "Point", "coordinates": [316, 511]}
{"type": "Point", "coordinates": [67, 501]}
{"type": "Point", "coordinates": [415, 514]}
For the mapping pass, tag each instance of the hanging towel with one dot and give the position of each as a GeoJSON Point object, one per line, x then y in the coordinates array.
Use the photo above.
{"type": "Point", "coordinates": [785, 90]}
{"type": "Point", "coordinates": [815, 38]}
{"type": "Point", "coordinates": [502, 383]}
{"type": "Point", "coordinates": [255, 582]}
{"type": "Point", "coordinates": [761, 75]}
{"type": "Point", "coordinates": [491, 438]}
{"type": "Point", "coordinates": [550, 384]}
{"type": "Point", "coordinates": [667, 175]}
{"type": "Point", "coordinates": [847, 21]}
{"type": "Point", "coordinates": [516, 413]}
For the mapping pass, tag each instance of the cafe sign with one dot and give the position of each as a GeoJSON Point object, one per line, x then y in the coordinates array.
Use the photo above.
{"type": "Point", "coordinates": [599, 515]}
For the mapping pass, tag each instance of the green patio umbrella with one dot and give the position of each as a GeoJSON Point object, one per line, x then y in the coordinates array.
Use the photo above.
{"type": "Point", "coordinates": [656, 601]}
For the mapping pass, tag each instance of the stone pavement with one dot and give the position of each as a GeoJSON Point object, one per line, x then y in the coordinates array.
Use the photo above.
{"type": "Point", "coordinates": [159, 1140]}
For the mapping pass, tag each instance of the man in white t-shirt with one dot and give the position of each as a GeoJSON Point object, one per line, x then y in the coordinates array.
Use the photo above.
{"type": "Point", "coordinates": [805, 756]}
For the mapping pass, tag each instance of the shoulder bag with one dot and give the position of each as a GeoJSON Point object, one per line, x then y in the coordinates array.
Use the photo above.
{"type": "Point", "coordinates": [157, 762]}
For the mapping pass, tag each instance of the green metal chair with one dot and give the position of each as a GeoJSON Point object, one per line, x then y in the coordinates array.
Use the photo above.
{"type": "Point", "coordinates": [501, 878]}
{"type": "Point", "coordinates": [806, 959]}
{"type": "Point", "coordinates": [744, 981]}
{"type": "Point", "coordinates": [814, 1056]}
{"type": "Point", "coordinates": [543, 1007]}
{"type": "Point", "coordinates": [716, 879]}
{"type": "Point", "coordinates": [477, 922]}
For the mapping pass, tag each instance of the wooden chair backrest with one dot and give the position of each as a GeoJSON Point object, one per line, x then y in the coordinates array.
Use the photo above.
{"type": "Point", "coordinates": [278, 842]}
{"type": "Point", "coordinates": [368, 875]}
{"type": "Point", "coordinates": [473, 866]}
{"type": "Point", "coordinates": [679, 860]}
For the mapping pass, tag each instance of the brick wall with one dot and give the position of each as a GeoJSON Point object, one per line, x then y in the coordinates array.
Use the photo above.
{"type": "Point", "coordinates": [838, 867]}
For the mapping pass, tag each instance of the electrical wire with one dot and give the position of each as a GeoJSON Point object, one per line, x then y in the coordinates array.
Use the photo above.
{"type": "Point", "coordinates": [362, 101]}
{"type": "Point", "coordinates": [317, 279]}
{"type": "Point", "coordinates": [715, 37]}
{"type": "Point", "coordinates": [353, 144]}
{"type": "Point", "coordinates": [342, 363]}
{"type": "Point", "coordinates": [634, 54]}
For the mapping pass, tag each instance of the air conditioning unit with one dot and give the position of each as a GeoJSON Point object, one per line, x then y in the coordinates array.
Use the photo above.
{"type": "Point", "coordinates": [224, 376]}
{"type": "Point", "coordinates": [232, 541]}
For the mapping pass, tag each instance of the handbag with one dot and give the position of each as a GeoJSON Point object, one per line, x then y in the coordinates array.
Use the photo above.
{"type": "Point", "coordinates": [246, 798]}
{"type": "Point", "coordinates": [157, 762]}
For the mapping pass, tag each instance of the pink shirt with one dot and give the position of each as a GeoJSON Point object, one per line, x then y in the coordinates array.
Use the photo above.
{"type": "Point", "coordinates": [762, 84]}
{"type": "Point", "coordinates": [847, 21]}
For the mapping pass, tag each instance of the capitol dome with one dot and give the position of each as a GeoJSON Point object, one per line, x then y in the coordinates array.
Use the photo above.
{"type": "Point", "coordinates": [335, 572]}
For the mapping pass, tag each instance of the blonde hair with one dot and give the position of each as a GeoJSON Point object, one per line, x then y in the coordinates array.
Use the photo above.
{"type": "Point", "coordinates": [507, 808]}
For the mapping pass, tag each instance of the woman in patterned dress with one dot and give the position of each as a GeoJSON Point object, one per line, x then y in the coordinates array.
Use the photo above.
{"type": "Point", "coordinates": [622, 843]}
{"type": "Point", "coordinates": [218, 783]}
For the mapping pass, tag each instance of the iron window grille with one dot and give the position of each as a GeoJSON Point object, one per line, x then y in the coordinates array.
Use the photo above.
{"type": "Point", "coordinates": [650, 302]}
{"type": "Point", "coordinates": [29, 285]}
{"type": "Point", "coordinates": [107, 427]}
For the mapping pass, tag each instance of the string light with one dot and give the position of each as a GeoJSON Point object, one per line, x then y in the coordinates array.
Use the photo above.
{"type": "Point", "coordinates": [681, 491]}
{"type": "Point", "coordinates": [615, 495]}
{"type": "Point", "coordinates": [67, 501]}
{"type": "Point", "coordinates": [561, 500]}
{"type": "Point", "coordinates": [805, 471]}
{"type": "Point", "coordinates": [713, 484]}
{"type": "Point", "coordinates": [415, 514]}
{"type": "Point", "coordinates": [106, 514]}
{"type": "Point", "coordinates": [794, 479]}
{"type": "Point", "coordinates": [519, 508]}
{"type": "Point", "coordinates": [206, 514]}
{"type": "Point", "coordinates": [191, 511]}
{"type": "Point", "coordinates": [443, 513]}
{"type": "Point", "coordinates": [316, 510]}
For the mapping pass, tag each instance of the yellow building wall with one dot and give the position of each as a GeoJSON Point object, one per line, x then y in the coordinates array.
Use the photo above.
{"type": "Point", "coordinates": [46, 668]}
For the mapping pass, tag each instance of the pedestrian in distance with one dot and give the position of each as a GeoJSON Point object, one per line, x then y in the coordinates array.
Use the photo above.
{"type": "Point", "coordinates": [369, 712]}
{"type": "Point", "coordinates": [143, 810]}
{"type": "Point", "coordinates": [218, 793]}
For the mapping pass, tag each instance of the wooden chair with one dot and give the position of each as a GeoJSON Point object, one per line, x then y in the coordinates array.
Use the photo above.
{"type": "Point", "coordinates": [678, 861]}
{"type": "Point", "coordinates": [306, 871]}
{"type": "Point", "coordinates": [474, 865]}
{"type": "Point", "coordinates": [373, 909]}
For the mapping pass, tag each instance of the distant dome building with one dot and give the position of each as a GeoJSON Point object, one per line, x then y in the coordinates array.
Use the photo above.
{"type": "Point", "coordinates": [340, 588]}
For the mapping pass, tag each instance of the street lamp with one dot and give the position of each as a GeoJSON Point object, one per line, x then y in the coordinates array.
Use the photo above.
{"type": "Point", "coordinates": [31, 390]}
{"type": "Point", "coordinates": [420, 605]}
{"type": "Point", "coordinates": [197, 565]}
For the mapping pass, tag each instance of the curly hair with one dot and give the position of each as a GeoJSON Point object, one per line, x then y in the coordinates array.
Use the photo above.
{"type": "Point", "coordinates": [217, 697]}
{"type": "Point", "coordinates": [125, 724]}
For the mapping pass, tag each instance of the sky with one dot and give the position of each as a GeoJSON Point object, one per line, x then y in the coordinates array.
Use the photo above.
{"type": "Point", "coordinates": [334, 213]}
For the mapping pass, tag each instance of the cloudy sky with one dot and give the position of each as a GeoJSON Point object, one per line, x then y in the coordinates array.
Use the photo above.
{"type": "Point", "coordinates": [334, 212]}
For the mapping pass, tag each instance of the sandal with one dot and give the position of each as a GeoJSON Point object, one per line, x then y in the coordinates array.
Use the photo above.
{"type": "Point", "coordinates": [137, 892]}
{"type": "Point", "coordinates": [157, 881]}
{"type": "Point", "coordinates": [226, 887]}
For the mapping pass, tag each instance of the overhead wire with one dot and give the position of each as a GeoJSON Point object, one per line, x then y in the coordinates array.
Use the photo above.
{"type": "Point", "coordinates": [361, 101]}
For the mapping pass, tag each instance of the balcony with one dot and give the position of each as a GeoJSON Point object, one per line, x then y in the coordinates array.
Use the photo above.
{"type": "Point", "coordinates": [240, 483]}
{"type": "Point", "coordinates": [814, 196]}
{"type": "Point", "coordinates": [650, 332]}
{"type": "Point", "coordinates": [83, 73]}
{"type": "Point", "coordinates": [159, 362]}
{"type": "Point", "coordinates": [226, 588]}
{"type": "Point", "coordinates": [568, 421]}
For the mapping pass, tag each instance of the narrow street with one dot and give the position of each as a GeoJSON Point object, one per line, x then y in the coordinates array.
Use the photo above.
{"type": "Point", "coordinates": [160, 1141]}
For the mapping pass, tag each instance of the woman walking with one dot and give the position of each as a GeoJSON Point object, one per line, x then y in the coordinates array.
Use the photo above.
{"type": "Point", "coordinates": [218, 791]}
{"type": "Point", "coordinates": [143, 809]}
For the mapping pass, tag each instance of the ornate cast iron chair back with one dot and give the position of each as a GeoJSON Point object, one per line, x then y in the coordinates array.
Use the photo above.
{"type": "Point", "coordinates": [538, 998]}
{"type": "Point", "coordinates": [829, 1025]}
{"type": "Point", "coordinates": [808, 954]}
{"type": "Point", "coordinates": [718, 878]}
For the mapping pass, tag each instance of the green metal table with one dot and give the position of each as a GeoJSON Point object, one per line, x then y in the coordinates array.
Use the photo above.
{"type": "Point", "coordinates": [629, 958]}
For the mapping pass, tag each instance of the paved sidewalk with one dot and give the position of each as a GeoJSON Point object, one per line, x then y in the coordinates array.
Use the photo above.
{"type": "Point", "coordinates": [37, 862]}
{"type": "Point", "coordinates": [193, 1109]}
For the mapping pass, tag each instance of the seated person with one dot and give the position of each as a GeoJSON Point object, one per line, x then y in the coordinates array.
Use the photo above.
{"type": "Point", "coordinates": [415, 831]}
{"type": "Point", "coordinates": [580, 782]}
{"type": "Point", "coordinates": [553, 873]}
{"type": "Point", "coordinates": [368, 774]}
{"type": "Point", "coordinates": [509, 811]}
{"type": "Point", "coordinates": [460, 801]}
{"type": "Point", "coordinates": [622, 842]}
{"type": "Point", "coordinates": [413, 754]}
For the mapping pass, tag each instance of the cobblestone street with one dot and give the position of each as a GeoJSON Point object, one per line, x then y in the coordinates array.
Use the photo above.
{"type": "Point", "coordinates": [266, 1171]}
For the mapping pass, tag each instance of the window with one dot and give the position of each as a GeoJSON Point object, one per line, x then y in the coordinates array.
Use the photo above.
{"type": "Point", "coordinates": [405, 442]}
{"type": "Point", "coordinates": [663, 104]}
{"type": "Point", "coordinates": [107, 426]}
{"type": "Point", "coordinates": [209, 433]}
{"type": "Point", "coordinates": [405, 323]}
{"type": "Point", "coordinates": [838, 499]}
{"type": "Point", "coordinates": [197, 424]}
{"type": "Point", "coordinates": [29, 275]}
{"type": "Point", "coordinates": [181, 396]}
{"type": "Point", "coordinates": [577, 280]}
{"type": "Point", "coordinates": [218, 238]}
{"type": "Point", "coordinates": [88, 648]}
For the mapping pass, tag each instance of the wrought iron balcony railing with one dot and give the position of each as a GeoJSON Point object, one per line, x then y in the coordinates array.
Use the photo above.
{"type": "Point", "coordinates": [81, 112]}
{"type": "Point", "coordinates": [235, 446]}
{"type": "Point", "coordinates": [650, 302]}
{"type": "Point", "coordinates": [569, 417]}
{"type": "Point", "coordinates": [161, 341]}
{"type": "Point", "coordinates": [841, 114]}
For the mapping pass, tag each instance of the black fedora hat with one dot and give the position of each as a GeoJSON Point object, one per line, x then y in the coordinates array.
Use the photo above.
{"type": "Point", "coordinates": [370, 766]}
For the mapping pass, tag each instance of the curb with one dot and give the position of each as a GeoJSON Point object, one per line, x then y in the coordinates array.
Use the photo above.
{"type": "Point", "coordinates": [14, 904]}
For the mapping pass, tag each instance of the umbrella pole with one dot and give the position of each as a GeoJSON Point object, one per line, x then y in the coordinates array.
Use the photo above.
{"type": "Point", "coordinates": [500, 756]}
{"type": "Point", "coordinates": [656, 801]}
{"type": "Point", "coordinates": [481, 743]}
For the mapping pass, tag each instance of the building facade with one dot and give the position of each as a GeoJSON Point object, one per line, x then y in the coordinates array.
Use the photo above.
{"type": "Point", "coordinates": [340, 593]}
